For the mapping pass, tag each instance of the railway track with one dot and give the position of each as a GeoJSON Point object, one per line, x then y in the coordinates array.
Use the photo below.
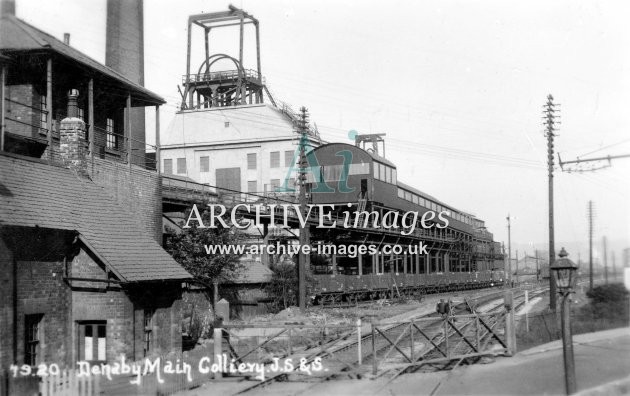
{"type": "Point", "coordinates": [339, 356]}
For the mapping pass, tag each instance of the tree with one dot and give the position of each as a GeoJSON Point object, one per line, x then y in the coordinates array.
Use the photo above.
{"type": "Point", "coordinates": [283, 286]}
{"type": "Point", "coordinates": [188, 248]}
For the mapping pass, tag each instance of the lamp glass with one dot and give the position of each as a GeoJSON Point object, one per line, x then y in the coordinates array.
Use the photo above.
{"type": "Point", "coordinates": [563, 278]}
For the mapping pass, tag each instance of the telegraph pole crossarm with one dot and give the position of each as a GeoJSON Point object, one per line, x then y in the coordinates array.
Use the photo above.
{"type": "Point", "coordinates": [550, 121]}
{"type": "Point", "coordinates": [579, 161]}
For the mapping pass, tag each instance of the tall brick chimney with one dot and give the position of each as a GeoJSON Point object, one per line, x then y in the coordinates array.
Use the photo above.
{"type": "Point", "coordinates": [124, 52]}
{"type": "Point", "coordinates": [72, 144]}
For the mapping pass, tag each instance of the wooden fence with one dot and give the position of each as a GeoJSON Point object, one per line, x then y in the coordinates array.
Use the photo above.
{"type": "Point", "coordinates": [69, 383]}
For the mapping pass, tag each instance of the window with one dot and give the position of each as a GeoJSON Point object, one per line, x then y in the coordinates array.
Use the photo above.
{"type": "Point", "coordinates": [401, 193]}
{"type": "Point", "coordinates": [168, 167]}
{"type": "Point", "coordinates": [274, 159]}
{"type": "Point", "coordinates": [388, 174]}
{"type": "Point", "coordinates": [80, 113]}
{"type": "Point", "coordinates": [377, 174]}
{"type": "Point", "coordinates": [32, 329]}
{"type": "Point", "coordinates": [44, 113]}
{"type": "Point", "coordinates": [332, 172]}
{"type": "Point", "coordinates": [181, 165]}
{"type": "Point", "coordinates": [112, 142]}
{"type": "Point", "coordinates": [148, 330]}
{"type": "Point", "coordinates": [252, 186]}
{"type": "Point", "coordinates": [288, 158]}
{"type": "Point", "coordinates": [204, 164]}
{"type": "Point", "coordinates": [359, 169]}
{"type": "Point", "coordinates": [251, 161]}
{"type": "Point", "coordinates": [393, 176]}
{"type": "Point", "coordinates": [93, 341]}
{"type": "Point", "coordinates": [407, 196]}
{"type": "Point", "coordinates": [415, 199]}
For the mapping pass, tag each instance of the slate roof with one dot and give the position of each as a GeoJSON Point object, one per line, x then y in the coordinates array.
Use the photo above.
{"type": "Point", "coordinates": [33, 193]}
{"type": "Point", "coordinates": [18, 36]}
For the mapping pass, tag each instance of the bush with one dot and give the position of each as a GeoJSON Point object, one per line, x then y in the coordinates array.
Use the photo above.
{"type": "Point", "coordinates": [613, 293]}
{"type": "Point", "coordinates": [283, 286]}
{"type": "Point", "coordinates": [608, 303]}
{"type": "Point", "coordinates": [608, 308]}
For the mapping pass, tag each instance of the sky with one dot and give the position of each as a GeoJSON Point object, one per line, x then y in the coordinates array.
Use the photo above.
{"type": "Point", "coordinates": [457, 86]}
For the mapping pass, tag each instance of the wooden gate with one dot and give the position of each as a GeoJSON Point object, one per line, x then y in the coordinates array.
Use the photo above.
{"type": "Point", "coordinates": [438, 340]}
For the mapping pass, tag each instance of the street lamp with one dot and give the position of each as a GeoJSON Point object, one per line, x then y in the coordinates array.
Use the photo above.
{"type": "Point", "coordinates": [565, 276]}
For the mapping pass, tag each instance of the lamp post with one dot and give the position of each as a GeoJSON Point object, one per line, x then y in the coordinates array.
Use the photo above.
{"type": "Point", "coordinates": [565, 276]}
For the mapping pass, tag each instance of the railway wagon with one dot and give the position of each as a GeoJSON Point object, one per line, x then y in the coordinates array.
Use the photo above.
{"type": "Point", "coordinates": [360, 187]}
{"type": "Point", "coordinates": [333, 289]}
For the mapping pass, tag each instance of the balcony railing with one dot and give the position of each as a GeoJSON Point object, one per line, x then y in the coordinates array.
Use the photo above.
{"type": "Point", "coordinates": [219, 76]}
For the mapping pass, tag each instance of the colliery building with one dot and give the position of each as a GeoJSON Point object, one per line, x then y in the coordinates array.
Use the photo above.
{"type": "Point", "coordinates": [230, 132]}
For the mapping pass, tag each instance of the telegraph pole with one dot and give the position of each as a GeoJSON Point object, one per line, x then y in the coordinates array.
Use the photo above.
{"type": "Point", "coordinates": [509, 260]}
{"type": "Point", "coordinates": [590, 245]}
{"type": "Point", "coordinates": [537, 267]}
{"type": "Point", "coordinates": [550, 124]}
{"type": "Point", "coordinates": [303, 259]}
{"type": "Point", "coordinates": [605, 260]}
{"type": "Point", "coordinates": [516, 264]}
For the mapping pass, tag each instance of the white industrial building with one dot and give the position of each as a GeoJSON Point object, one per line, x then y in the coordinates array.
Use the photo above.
{"type": "Point", "coordinates": [248, 148]}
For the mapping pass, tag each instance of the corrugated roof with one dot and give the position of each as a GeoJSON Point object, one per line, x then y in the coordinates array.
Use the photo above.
{"type": "Point", "coordinates": [18, 36]}
{"type": "Point", "coordinates": [33, 193]}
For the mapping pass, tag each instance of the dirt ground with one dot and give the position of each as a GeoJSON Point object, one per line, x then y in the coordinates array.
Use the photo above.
{"type": "Point", "coordinates": [377, 310]}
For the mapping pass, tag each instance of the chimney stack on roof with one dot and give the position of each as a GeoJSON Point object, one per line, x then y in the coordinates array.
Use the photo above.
{"type": "Point", "coordinates": [66, 38]}
{"type": "Point", "coordinates": [72, 142]}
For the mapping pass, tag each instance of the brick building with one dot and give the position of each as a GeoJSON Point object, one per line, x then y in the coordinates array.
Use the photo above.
{"type": "Point", "coordinates": [38, 71]}
{"type": "Point", "coordinates": [82, 273]}
{"type": "Point", "coordinates": [80, 279]}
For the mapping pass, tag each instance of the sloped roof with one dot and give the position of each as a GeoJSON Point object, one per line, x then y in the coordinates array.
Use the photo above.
{"type": "Point", "coordinates": [430, 197]}
{"type": "Point", "coordinates": [33, 193]}
{"type": "Point", "coordinates": [249, 123]}
{"type": "Point", "coordinates": [253, 272]}
{"type": "Point", "coordinates": [18, 36]}
{"type": "Point", "coordinates": [418, 192]}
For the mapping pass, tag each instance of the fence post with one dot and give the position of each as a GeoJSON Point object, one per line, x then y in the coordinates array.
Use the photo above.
{"type": "Point", "coordinates": [374, 362]}
{"type": "Point", "coordinates": [527, 321]}
{"type": "Point", "coordinates": [510, 333]}
{"type": "Point", "coordinates": [411, 327]}
{"type": "Point", "coordinates": [218, 351]}
{"type": "Point", "coordinates": [448, 353]}
{"type": "Point", "coordinates": [359, 353]}
{"type": "Point", "coordinates": [97, 385]}
{"type": "Point", "coordinates": [477, 333]}
{"type": "Point", "coordinates": [290, 343]}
